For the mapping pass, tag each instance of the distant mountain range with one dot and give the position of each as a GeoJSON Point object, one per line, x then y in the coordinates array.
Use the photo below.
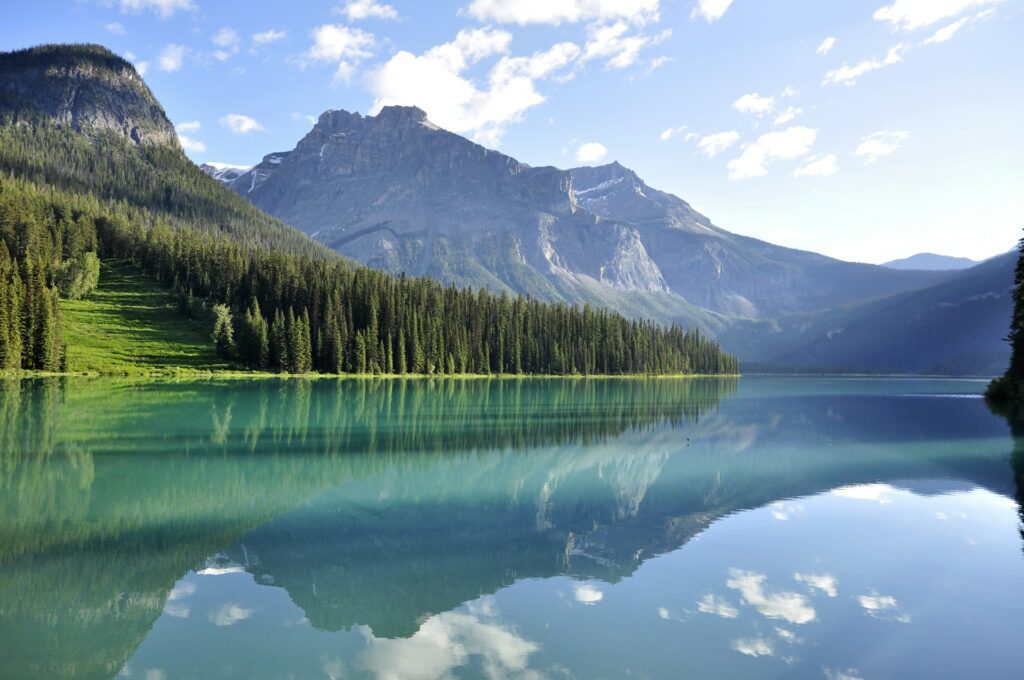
{"type": "Point", "coordinates": [398, 193]}
{"type": "Point", "coordinates": [931, 262]}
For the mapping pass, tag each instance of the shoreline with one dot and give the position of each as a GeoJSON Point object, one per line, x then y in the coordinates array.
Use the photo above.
{"type": "Point", "coordinates": [259, 375]}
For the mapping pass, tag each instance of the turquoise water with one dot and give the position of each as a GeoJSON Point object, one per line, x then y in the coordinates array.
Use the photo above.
{"type": "Point", "coordinates": [767, 527]}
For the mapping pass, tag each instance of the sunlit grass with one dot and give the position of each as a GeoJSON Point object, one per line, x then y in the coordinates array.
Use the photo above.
{"type": "Point", "coordinates": [130, 324]}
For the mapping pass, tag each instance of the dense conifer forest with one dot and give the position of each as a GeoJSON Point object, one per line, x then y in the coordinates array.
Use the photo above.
{"type": "Point", "coordinates": [272, 298]}
{"type": "Point", "coordinates": [297, 313]}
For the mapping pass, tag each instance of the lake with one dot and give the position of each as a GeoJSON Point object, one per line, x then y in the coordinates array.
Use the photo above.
{"type": "Point", "coordinates": [645, 528]}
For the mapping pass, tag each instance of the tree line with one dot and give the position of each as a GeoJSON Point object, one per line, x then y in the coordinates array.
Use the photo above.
{"type": "Point", "coordinates": [298, 313]}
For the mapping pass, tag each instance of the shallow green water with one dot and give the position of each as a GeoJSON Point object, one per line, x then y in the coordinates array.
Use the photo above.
{"type": "Point", "coordinates": [768, 527]}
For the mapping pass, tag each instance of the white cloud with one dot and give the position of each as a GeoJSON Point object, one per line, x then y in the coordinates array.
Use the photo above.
{"type": "Point", "coordinates": [842, 674]}
{"type": "Point", "coordinates": [710, 604]}
{"type": "Point", "coordinates": [267, 37]}
{"type": "Point", "coordinates": [140, 66]}
{"type": "Point", "coordinates": [877, 493]}
{"type": "Point", "coordinates": [189, 143]}
{"type": "Point", "coordinates": [668, 133]}
{"type": "Point", "coordinates": [228, 40]}
{"type": "Point", "coordinates": [849, 75]}
{"type": "Point", "coordinates": [446, 642]}
{"type": "Point", "coordinates": [220, 571]}
{"type": "Point", "coordinates": [946, 32]}
{"type": "Point", "coordinates": [357, 10]}
{"type": "Point", "coordinates": [115, 27]}
{"type": "Point", "coordinates": [908, 15]}
{"type": "Point", "coordinates": [883, 607]}
{"type": "Point", "coordinates": [712, 10]}
{"type": "Point", "coordinates": [591, 152]}
{"type": "Point", "coordinates": [657, 63]}
{"type": "Point", "coordinates": [826, 45]}
{"type": "Point", "coordinates": [690, 136]}
{"type": "Point", "coordinates": [822, 167]}
{"type": "Point", "coordinates": [229, 614]}
{"type": "Point", "coordinates": [172, 57]}
{"type": "Point", "coordinates": [754, 103]}
{"type": "Point", "coordinates": [240, 124]}
{"type": "Point", "coordinates": [555, 12]}
{"type": "Point", "coordinates": [435, 82]}
{"type": "Point", "coordinates": [712, 145]}
{"type": "Point", "coordinates": [788, 115]}
{"type": "Point", "coordinates": [872, 147]}
{"type": "Point", "coordinates": [342, 45]}
{"type": "Point", "coordinates": [611, 43]}
{"type": "Point", "coordinates": [785, 511]}
{"type": "Point", "coordinates": [753, 646]}
{"type": "Point", "coordinates": [587, 594]}
{"type": "Point", "coordinates": [788, 606]}
{"type": "Point", "coordinates": [226, 37]}
{"type": "Point", "coordinates": [787, 144]}
{"type": "Point", "coordinates": [163, 8]}
{"type": "Point", "coordinates": [825, 583]}
{"type": "Point", "coordinates": [182, 590]}
{"type": "Point", "coordinates": [788, 92]}
{"type": "Point", "coordinates": [178, 610]}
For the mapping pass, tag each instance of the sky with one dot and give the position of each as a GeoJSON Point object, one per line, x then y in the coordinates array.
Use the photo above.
{"type": "Point", "coordinates": [866, 130]}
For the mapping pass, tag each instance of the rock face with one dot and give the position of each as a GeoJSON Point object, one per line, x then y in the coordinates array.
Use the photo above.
{"type": "Point", "coordinates": [85, 87]}
{"type": "Point", "coordinates": [398, 193]}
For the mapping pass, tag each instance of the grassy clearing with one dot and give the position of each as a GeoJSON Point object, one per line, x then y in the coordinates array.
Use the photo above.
{"type": "Point", "coordinates": [131, 325]}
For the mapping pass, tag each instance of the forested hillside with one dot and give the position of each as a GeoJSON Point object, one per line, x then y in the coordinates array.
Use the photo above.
{"type": "Point", "coordinates": [72, 193]}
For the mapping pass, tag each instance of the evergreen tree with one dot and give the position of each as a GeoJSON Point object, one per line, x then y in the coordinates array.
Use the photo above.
{"type": "Point", "coordinates": [1010, 386]}
{"type": "Point", "coordinates": [223, 331]}
{"type": "Point", "coordinates": [279, 342]}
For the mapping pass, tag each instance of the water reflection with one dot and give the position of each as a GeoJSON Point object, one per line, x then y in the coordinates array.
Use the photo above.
{"type": "Point", "coordinates": [395, 510]}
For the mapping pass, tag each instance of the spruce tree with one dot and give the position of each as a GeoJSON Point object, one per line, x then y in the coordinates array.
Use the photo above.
{"type": "Point", "coordinates": [223, 331]}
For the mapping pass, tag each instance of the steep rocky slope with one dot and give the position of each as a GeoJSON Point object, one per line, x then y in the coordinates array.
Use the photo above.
{"type": "Point", "coordinates": [398, 193]}
{"type": "Point", "coordinates": [82, 87]}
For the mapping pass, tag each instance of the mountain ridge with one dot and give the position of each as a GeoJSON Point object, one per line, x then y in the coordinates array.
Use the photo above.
{"type": "Point", "coordinates": [398, 193]}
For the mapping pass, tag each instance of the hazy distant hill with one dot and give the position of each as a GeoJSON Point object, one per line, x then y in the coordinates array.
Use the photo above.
{"type": "Point", "coordinates": [956, 327]}
{"type": "Point", "coordinates": [931, 262]}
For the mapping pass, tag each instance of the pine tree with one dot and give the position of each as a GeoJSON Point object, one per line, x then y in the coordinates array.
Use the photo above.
{"type": "Point", "coordinates": [279, 342]}
{"type": "Point", "coordinates": [223, 331]}
{"type": "Point", "coordinates": [304, 344]}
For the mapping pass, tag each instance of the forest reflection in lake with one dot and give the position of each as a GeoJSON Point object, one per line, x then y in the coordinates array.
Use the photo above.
{"type": "Point", "coordinates": [493, 528]}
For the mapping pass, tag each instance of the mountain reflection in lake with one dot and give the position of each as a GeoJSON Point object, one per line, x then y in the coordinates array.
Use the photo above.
{"type": "Point", "coordinates": [508, 528]}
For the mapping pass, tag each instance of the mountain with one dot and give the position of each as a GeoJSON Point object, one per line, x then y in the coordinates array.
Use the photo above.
{"type": "Point", "coordinates": [224, 172]}
{"type": "Point", "coordinates": [956, 327]}
{"type": "Point", "coordinates": [80, 119]}
{"type": "Point", "coordinates": [931, 262]}
{"type": "Point", "coordinates": [84, 88]}
{"type": "Point", "coordinates": [398, 193]}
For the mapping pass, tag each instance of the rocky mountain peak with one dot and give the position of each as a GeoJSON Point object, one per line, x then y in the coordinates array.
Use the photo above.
{"type": "Point", "coordinates": [85, 87]}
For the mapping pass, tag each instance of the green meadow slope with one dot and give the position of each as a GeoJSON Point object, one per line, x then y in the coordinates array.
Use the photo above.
{"type": "Point", "coordinates": [131, 324]}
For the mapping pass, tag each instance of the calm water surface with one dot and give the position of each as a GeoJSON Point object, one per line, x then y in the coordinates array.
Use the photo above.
{"type": "Point", "coordinates": [810, 528]}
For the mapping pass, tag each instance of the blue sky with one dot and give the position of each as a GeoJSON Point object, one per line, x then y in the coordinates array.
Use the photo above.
{"type": "Point", "coordinates": [863, 129]}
